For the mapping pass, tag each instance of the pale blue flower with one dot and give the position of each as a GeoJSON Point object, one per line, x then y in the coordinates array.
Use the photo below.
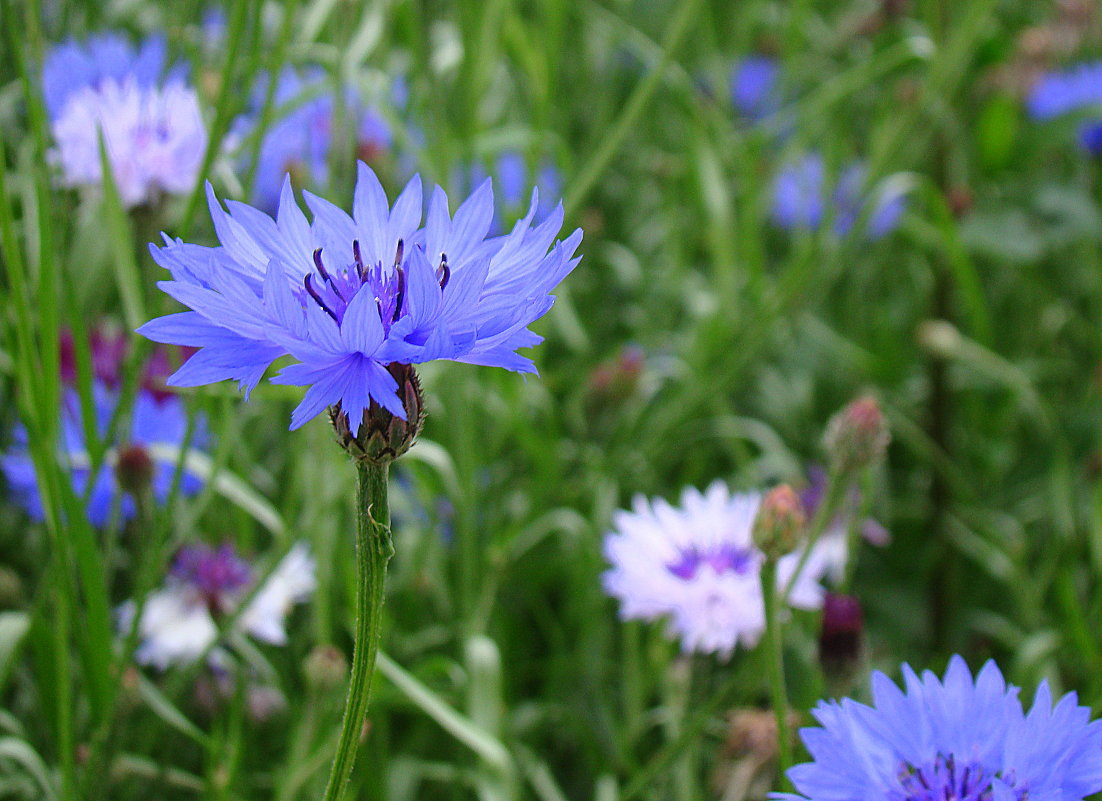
{"type": "Point", "coordinates": [346, 295]}
{"type": "Point", "coordinates": [953, 738]}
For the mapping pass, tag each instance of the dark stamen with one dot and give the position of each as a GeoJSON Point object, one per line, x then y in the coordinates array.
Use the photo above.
{"type": "Point", "coordinates": [321, 267]}
{"type": "Point", "coordinates": [398, 252]}
{"type": "Point", "coordinates": [317, 298]}
{"type": "Point", "coordinates": [360, 269]}
{"type": "Point", "coordinates": [447, 273]}
{"type": "Point", "coordinates": [401, 289]}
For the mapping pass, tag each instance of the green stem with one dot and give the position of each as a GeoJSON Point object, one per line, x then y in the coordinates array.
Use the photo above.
{"type": "Point", "coordinates": [836, 487]}
{"type": "Point", "coordinates": [776, 665]}
{"type": "Point", "coordinates": [373, 550]}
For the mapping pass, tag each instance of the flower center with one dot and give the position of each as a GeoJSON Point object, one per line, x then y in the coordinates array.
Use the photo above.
{"type": "Point", "coordinates": [214, 573]}
{"type": "Point", "coordinates": [721, 558]}
{"type": "Point", "coordinates": [945, 780]}
{"type": "Point", "coordinates": [333, 290]}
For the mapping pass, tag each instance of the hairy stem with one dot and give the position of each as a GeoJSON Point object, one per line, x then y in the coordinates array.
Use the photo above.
{"type": "Point", "coordinates": [373, 550]}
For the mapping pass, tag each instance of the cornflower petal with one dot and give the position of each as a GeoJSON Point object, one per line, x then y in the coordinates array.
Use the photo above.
{"type": "Point", "coordinates": [348, 296]}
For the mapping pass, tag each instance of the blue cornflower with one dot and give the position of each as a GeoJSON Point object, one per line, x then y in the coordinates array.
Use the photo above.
{"type": "Point", "coordinates": [1076, 89]}
{"type": "Point", "coordinates": [950, 739]}
{"type": "Point", "coordinates": [801, 194]}
{"type": "Point", "coordinates": [156, 432]}
{"type": "Point", "coordinates": [754, 82]}
{"type": "Point", "coordinates": [347, 296]}
{"type": "Point", "coordinates": [300, 137]}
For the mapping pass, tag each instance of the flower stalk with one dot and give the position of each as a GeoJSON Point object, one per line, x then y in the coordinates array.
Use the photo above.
{"type": "Point", "coordinates": [374, 547]}
{"type": "Point", "coordinates": [775, 659]}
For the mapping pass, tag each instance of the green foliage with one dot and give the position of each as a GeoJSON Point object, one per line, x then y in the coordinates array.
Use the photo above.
{"type": "Point", "coordinates": [505, 672]}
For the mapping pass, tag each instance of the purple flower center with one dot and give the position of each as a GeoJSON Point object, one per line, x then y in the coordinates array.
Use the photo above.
{"type": "Point", "coordinates": [215, 573]}
{"type": "Point", "coordinates": [333, 290]}
{"type": "Point", "coordinates": [722, 559]}
{"type": "Point", "coordinates": [945, 780]}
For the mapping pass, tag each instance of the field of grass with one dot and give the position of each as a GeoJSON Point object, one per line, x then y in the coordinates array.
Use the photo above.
{"type": "Point", "coordinates": [699, 339]}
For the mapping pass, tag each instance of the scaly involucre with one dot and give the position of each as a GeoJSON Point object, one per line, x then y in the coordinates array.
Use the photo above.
{"type": "Point", "coordinates": [346, 296]}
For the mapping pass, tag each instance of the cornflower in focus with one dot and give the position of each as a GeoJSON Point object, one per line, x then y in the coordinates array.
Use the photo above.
{"type": "Point", "coordinates": [146, 454]}
{"type": "Point", "coordinates": [359, 299]}
{"type": "Point", "coordinates": [954, 738]}
{"type": "Point", "coordinates": [697, 566]}
{"type": "Point", "coordinates": [300, 138]}
{"type": "Point", "coordinates": [802, 199]}
{"type": "Point", "coordinates": [1078, 89]}
{"type": "Point", "coordinates": [179, 622]}
{"type": "Point", "coordinates": [150, 123]}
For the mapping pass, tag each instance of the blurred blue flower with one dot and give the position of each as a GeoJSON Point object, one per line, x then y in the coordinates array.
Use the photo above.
{"type": "Point", "coordinates": [754, 90]}
{"type": "Point", "coordinates": [516, 183]}
{"type": "Point", "coordinates": [955, 738]}
{"type": "Point", "coordinates": [348, 295]}
{"type": "Point", "coordinates": [801, 194]}
{"type": "Point", "coordinates": [72, 66]}
{"type": "Point", "coordinates": [157, 426]}
{"type": "Point", "coordinates": [1076, 89]}
{"type": "Point", "coordinates": [299, 139]}
{"type": "Point", "coordinates": [152, 129]}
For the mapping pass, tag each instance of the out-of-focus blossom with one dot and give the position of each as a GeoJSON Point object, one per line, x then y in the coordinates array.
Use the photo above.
{"type": "Point", "coordinates": [841, 635]}
{"type": "Point", "coordinates": [1078, 89]}
{"type": "Point", "coordinates": [515, 182]}
{"type": "Point", "coordinates": [696, 565]}
{"type": "Point", "coordinates": [152, 130]}
{"type": "Point", "coordinates": [357, 300]}
{"type": "Point", "coordinates": [300, 137]}
{"type": "Point", "coordinates": [153, 433]}
{"type": "Point", "coordinates": [157, 425]}
{"type": "Point", "coordinates": [951, 738]}
{"type": "Point", "coordinates": [179, 622]}
{"type": "Point", "coordinates": [803, 199]}
{"type": "Point", "coordinates": [754, 87]}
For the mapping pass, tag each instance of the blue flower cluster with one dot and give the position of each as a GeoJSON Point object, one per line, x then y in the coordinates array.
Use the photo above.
{"type": "Point", "coordinates": [802, 198]}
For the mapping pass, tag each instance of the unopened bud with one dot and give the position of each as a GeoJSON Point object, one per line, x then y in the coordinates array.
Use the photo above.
{"type": "Point", "coordinates": [841, 636]}
{"type": "Point", "coordinates": [326, 668]}
{"type": "Point", "coordinates": [779, 523]}
{"type": "Point", "coordinates": [134, 469]}
{"type": "Point", "coordinates": [381, 437]}
{"type": "Point", "coordinates": [264, 702]}
{"type": "Point", "coordinates": [857, 436]}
